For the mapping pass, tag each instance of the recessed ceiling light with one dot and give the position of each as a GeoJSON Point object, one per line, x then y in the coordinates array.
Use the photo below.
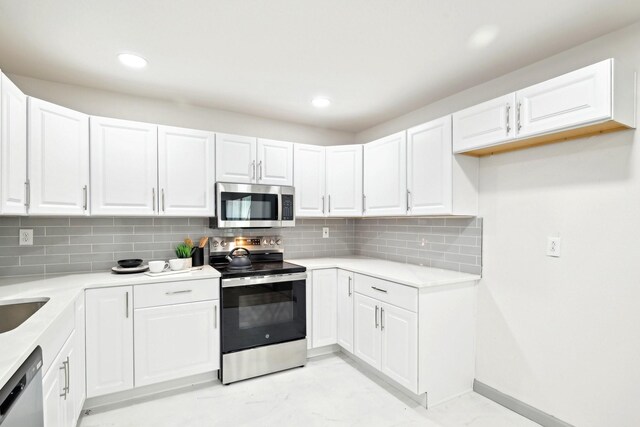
{"type": "Point", "coordinates": [321, 102]}
{"type": "Point", "coordinates": [483, 36]}
{"type": "Point", "coordinates": [132, 60]}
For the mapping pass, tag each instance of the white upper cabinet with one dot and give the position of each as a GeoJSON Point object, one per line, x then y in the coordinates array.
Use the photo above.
{"type": "Point", "coordinates": [594, 99]}
{"type": "Point", "coordinates": [572, 99]}
{"type": "Point", "coordinates": [124, 167]}
{"type": "Point", "coordinates": [58, 160]}
{"type": "Point", "coordinates": [385, 176]}
{"type": "Point", "coordinates": [344, 180]}
{"type": "Point", "coordinates": [429, 168]}
{"type": "Point", "coordinates": [13, 148]}
{"type": "Point", "coordinates": [236, 158]}
{"type": "Point", "coordinates": [309, 179]}
{"type": "Point", "coordinates": [186, 174]}
{"type": "Point", "coordinates": [489, 123]}
{"type": "Point", "coordinates": [275, 162]}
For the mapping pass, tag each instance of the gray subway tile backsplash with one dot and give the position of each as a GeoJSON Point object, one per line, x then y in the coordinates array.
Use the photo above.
{"type": "Point", "coordinates": [74, 245]}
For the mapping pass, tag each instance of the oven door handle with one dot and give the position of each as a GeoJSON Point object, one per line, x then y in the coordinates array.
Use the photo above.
{"type": "Point", "coordinates": [260, 280]}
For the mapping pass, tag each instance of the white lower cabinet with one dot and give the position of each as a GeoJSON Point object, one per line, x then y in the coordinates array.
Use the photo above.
{"type": "Point", "coordinates": [399, 355]}
{"type": "Point", "coordinates": [60, 404]}
{"type": "Point", "coordinates": [176, 341]}
{"type": "Point", "coordinates": [324, 311]}
{"type": "Point", "coordinates": [345, 310]}
{"type": "Point", "coordinates": [109, 330]}
{"type": "Point", "coordinates": [77, 368]}
{"type": "Point", "coordinates": [366, 335]}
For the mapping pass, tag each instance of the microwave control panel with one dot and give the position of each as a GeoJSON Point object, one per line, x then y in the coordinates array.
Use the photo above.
{"type": "Point", "coordinates": [287, 207]}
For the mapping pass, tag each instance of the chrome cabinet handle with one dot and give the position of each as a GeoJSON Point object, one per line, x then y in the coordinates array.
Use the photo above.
{"type": "Point", "coordinates": [64, 387]}
{"type": "Point", "coordinates": [153, 199]}
{"type": "Point", "coordinates": [253, 169]}
{"type": "Point", "coordinates": [27, 193]}
{"type": "Point", "coordinates": [329, 196]}
{"type": "Point", "coordinates": [185, 291]}
{"type": "Point", "coordinates": [260, 170]}
{"type": "Point", "coordinates": [382, 318]}
{"type": "Point", "coordinates": [364, 203]}
{"type": "Point", "coordinates": [215, 316]}
{"type": "Point", "coordinates": [379, 290]}
{"type": "Point", "coordinates": [163, 207]}
{"type": "Point", "coordinates": [508, 118]}
{"type": "Point", "coordinates": [350, 286]}
{"type": "Point", "coordinates": [408, 200]}
{"type": "Point", "coordinates": [376, 317]}
{"type": "Point", "coordinates": [322, 205]}
{"type": "Point", "coordinates": [67, 378]}
{"type": "Point", "coordinates": [126, 305]}
{"type": "Point", "coordinates": [518, 123]}
{"type": "Point", "coordinates": [85, 200]}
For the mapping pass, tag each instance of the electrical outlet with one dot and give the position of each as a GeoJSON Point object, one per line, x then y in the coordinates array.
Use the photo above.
{"type": "Point", "coordinates": [553, 246]}
{"type": "Point", "coordinates": [26, 237]}
{"type": "Point", "coordinates": [325, 232]}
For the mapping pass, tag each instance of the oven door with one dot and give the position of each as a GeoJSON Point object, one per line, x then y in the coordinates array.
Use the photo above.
{"type": "Point", "coordinates": [246, 205]}
{"type": "Point", "coordinates": [258, 311]}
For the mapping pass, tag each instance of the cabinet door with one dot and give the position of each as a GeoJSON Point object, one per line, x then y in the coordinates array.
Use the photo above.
{"type": "Point", "coordinates": [52, 394]}
{"type": "Point", "coordinates": [176, 341]}
{"type": "Point", "coordinates": [429, 174]}
{"type": "Point", "coordinates": [78, 387]}
{"type": "Point", "coordinates": [235, 158]}
{"type": "Point", "coordinates": [400, 345]}
{"type": "Point", "coordinates": [13, 148]}
{"type": "Point", "coordinates": [385, 176]}
{"type": "Point", "coordinates": [58, 159]}
{"type": "Point", "coordinates": [482, 125]}
{"type": "Point", "coordinates": [109, 338]}
{"type": "Point", "coordinates": [186, 171]}
{"type": "Point", "coordinates": [124, 167]}
{"type": "Point", "coordinates": [325, 317]}
{"type": "Point", "coordinates": [345, 310]}
{"type": "Point", "coordinates": [344, 180]}
{"type": "Point", "coordinates": [309, 179]}
{"type": "Point", "coordinates": [275, 162]}
{"type": "Point", "coordinates": [366, 329]}
{"type": "Point", "coordinates": [572, 99]}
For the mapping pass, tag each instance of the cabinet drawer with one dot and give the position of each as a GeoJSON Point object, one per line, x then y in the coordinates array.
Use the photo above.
{"type": "Point", "coordinates": [392, 293]}
{"type": "Point", "coordinates": [158, 294]}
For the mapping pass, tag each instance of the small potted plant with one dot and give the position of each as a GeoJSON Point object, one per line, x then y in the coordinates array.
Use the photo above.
{"type": "Point", "coordinates": [183, 251]}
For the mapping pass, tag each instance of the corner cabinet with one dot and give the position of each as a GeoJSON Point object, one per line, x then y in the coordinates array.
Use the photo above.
{"type": "Point", "coordinates": [124, 167]}
{"type": "Point", "coordinates": [324, 311]}
{"type": "Point", "coordinates": [385, 176]}
{"type": "Point", "coordinates": [186, 172]}
{"type": "Point", "coordinates": [58, 155]}
{"type": "Point", "coordinates": [594, 99]}
{"type": "Point", "coordinates": [344, 180]}
{"type": "Point", "coordinates": [439, 182]}
{"type": "Point", "coordinates": [13, 148]}
{"type": "Point", "coordinates": [345, 310]}
{"type": "Point", "coordinates": [309, 178]}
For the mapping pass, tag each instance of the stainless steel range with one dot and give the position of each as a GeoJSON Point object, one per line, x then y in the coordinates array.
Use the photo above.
{"type": "Point", "coordinates": [263, 315]}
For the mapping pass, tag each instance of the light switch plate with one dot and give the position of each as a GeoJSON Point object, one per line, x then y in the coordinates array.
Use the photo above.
{"type": "Point", "coordinates": [26, 237]}
{"type": "Point", "coordinates": [553, 246]}
{"type": "Point", "coordinates": [325, 232]}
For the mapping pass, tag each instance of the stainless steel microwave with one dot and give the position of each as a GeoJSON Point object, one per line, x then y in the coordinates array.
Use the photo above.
{"type": "Point", "coordinates": [253, 206]}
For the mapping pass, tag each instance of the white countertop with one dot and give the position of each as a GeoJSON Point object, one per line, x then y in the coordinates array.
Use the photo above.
{"type": "Point", "coordinates": [406, 274]}
{"type": "Point", "coordinates": [62, 291]}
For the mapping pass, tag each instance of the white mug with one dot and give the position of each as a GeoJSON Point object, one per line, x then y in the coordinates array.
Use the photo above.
{"type": "Point", "coordinates": [176, 264]}
{"type": "Point", "coordinates": [158, 266]}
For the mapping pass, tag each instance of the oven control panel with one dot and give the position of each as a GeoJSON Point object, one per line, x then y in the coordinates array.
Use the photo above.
{"type": "Point", "coordinates": [223, 244]}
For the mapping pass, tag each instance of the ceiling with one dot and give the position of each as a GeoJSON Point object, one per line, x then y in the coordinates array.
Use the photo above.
{"type": "Point", "coordinates": [375, 59]}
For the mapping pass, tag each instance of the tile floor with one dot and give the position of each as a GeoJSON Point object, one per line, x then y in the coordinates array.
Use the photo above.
{"type": "Point", "coordinates": [330, 390]}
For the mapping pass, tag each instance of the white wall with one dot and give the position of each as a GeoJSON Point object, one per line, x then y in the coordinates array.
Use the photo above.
{"type": "Point", "coordinates": [562, 335]}
{"type": "Point", "coordinates": [112, 104]}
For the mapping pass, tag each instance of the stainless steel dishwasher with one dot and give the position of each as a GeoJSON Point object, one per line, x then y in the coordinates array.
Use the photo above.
{"type": "Point", "coordinates": [21, 396]}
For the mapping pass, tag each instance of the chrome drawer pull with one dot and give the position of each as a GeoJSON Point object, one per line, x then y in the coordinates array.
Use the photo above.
{"type": "Point", "coordinates": [379, 290]}
{"type": "Point", "coordinates": [186, 291]}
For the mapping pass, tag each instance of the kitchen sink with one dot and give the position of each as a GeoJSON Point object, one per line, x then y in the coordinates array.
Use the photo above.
{"type": "Point", "coordinates": [14, 313]}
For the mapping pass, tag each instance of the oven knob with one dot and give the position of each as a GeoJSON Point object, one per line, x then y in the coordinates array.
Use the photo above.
{"type": "Point", "coordinates": [214, 243]}
{"type": "Point", "coordinates": [279, 242]}
{"type": "Point", "coordinates": [265, 242]}
{"type": "Point", "coordinates": [272, 242]}
{"type": "Point", "coordinates": [223, 243]}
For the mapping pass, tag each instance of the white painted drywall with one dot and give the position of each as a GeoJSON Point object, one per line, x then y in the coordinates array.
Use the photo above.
{"type": "Point", "coordinates": [561, 334]}
{"type": "Point", "coordinates": [112, 104]}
